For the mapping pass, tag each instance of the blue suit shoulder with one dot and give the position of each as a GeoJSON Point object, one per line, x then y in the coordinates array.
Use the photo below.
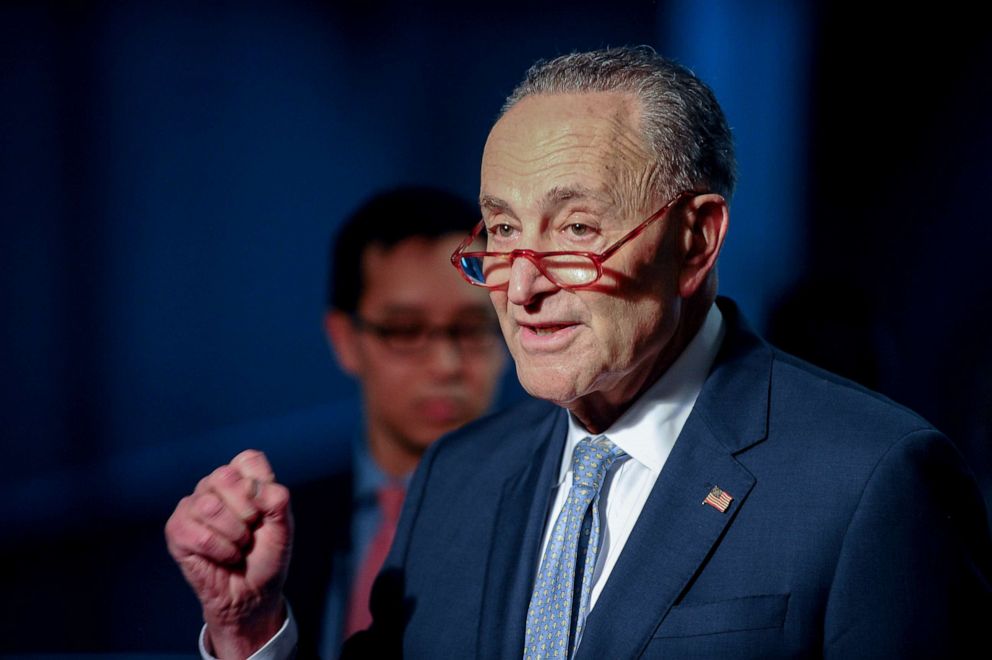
{"type": "Point", "coordinates": [759, 394]}
{"type": "Point", "coordinates": [818, 408]}
{"type": "Point", "coordinates": [844, 401]}
{"type": "Point", "coordinates": [906, 503]}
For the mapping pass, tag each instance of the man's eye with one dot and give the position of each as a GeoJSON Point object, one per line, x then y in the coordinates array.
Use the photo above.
{"type": "Point", "coordinates": [501, 230]}
{"type": "Point", "coordinates": [473, 330]}
{"type": "Point", "coordinates": [402, 332]}
{"type": "Point", "coordinates": [578, 230]}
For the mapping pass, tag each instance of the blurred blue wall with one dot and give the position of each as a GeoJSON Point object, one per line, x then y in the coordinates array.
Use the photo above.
{"type": "Point", "coordinates": [757, 57]}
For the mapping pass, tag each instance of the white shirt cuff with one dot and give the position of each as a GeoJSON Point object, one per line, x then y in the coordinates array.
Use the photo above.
{"type": "Point", "coordinates": [282, 646]}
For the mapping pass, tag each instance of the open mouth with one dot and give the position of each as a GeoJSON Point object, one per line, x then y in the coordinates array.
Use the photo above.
{"type": "Point", "coordinates": [546, 337]}
{"type": "Point", "coordinates": [547, 329]}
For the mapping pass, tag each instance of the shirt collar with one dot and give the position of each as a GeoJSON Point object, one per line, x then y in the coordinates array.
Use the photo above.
{"type": "Point", "coordinates": [648, 429]}
{"type": "Point", "coordinates": [368, 476]}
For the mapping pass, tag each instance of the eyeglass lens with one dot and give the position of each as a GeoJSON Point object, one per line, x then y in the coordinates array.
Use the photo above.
{"type": "Point", "coordinates": [567, 269]}
{"type": "Point", "coordinates": [413, 337]}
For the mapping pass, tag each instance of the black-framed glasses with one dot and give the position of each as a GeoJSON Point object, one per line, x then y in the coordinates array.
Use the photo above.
{"type": "Point", "coordinates": [415, 337]}
{"type": "Point", "coordinates": [566, 269]}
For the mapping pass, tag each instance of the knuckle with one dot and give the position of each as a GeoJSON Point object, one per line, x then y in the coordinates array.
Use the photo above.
{"type": "Point", "coordinates": [254, 463]}
{"type": "Point", "coordinates": [279, 496]}
{"type": "Point", "coordinates": [248, 455]}
{"type": "Point", "coordinates": [209, 506]}
{"type": "Point", "coordinates": [209, 544]}
{"type": "Point", "coordinates": [178, 535]}
{"type": "Point", "coordinates": [176, 521]}
{"type": "Point", "coordinates": [225, 476]}
{"type": "Point", "coordinates": [205, 541]}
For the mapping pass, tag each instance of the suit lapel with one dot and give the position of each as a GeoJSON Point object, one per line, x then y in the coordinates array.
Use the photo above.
{"type": "Point", "coordinates": [518, 528]}
{"type": "Point", "coordinates": [670, 542]}
{"type": "Point", "coordinates": [675, 532]}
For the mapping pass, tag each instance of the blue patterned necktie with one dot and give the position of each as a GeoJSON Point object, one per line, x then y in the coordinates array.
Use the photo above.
{"type": "Point", "coordinates": [553, 620]}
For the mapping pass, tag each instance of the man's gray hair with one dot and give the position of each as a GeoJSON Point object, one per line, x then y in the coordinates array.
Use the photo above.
{"type": "Point", "coordinates": [681, 120]}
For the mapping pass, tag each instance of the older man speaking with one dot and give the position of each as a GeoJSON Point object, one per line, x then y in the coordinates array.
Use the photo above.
{"type": "Point", "coordinates": [683, 489]}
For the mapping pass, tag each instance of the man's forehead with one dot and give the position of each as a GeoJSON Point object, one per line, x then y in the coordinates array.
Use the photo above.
{"type": "Point", "coordinates": [412, 274]}
{"type": "Point", "coordinates": [412, 248]}
{"type": "Point", "coordinates": [549, 149]}
{"type": "Point", "coordinates": [552, 122]}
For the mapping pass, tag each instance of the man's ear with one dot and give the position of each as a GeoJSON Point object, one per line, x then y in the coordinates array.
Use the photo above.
{"type": "Point", "coordinates": [706, 218]}
{"type": "Point", "coordinates": [343, 340]}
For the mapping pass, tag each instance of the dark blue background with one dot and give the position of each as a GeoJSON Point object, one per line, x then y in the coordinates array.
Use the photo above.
{"type": "Point", "coordinates": [170, 174]}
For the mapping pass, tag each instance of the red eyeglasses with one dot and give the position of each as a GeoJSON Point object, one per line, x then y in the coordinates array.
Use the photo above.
{"type": "Point", "coordinates": [566, 269]}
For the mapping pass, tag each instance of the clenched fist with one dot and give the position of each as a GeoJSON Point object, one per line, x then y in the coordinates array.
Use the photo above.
{"type": "Point", "coordinates": [232, 539]}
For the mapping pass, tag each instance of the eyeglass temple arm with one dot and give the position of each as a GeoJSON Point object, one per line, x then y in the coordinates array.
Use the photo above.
{"type": "Point", "coordinates": [456, 255]}
{"type": "Point", "coordinates": [639, 229]}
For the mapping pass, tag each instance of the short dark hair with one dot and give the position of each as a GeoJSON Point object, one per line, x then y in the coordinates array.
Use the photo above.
{"type": "Point", "coordinates": [385, 219]}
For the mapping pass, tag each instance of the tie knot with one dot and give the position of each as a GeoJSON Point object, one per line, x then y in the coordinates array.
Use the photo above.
{"type": "Point", "coordinates": [390, 499]}
{"type": "Point", "coordinates": [592, 460]}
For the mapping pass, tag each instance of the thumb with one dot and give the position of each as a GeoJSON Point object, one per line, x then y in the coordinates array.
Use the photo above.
{"type": "Point", "coordinates": [253, 464]}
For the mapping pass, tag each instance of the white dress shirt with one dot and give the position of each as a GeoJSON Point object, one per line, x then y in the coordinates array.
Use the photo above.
{"type": "Point", "coordinates": [646, 432]}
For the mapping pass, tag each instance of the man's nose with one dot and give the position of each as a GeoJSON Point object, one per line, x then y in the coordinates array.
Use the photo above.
{"type": "Point", "coordinates": [444, 355]}
{"type": "Point", "coordinates": [527, 283]}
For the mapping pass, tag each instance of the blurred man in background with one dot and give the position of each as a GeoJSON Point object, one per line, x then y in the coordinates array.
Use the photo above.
{"type": "Point", "coordinates": [427, 354]}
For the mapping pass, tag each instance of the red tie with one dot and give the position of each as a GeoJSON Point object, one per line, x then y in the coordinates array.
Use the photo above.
{"type": "Point", "coordinates": [390, 504]}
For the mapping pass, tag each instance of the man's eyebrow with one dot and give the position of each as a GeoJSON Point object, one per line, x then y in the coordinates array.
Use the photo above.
{"type": "Point", "coordinates": [560, 194]}
{"type": "Point", "coordinates": [494, 204]}
{"type": "Point", "coordinates": [552, 199]}
{"type": "Point", "coordinates": [403, 309]}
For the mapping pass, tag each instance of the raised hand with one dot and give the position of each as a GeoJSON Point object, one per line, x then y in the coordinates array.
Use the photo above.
{"type": "Point", "coordinates": [232, 539]}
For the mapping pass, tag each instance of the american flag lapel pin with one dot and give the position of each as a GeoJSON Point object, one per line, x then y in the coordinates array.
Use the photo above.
{"type": "Point", "coordinates": [719, 499]}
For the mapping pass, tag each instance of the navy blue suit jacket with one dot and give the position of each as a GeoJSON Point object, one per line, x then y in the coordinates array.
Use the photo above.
{"type": "Point", "coordinates": [854, 531]}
